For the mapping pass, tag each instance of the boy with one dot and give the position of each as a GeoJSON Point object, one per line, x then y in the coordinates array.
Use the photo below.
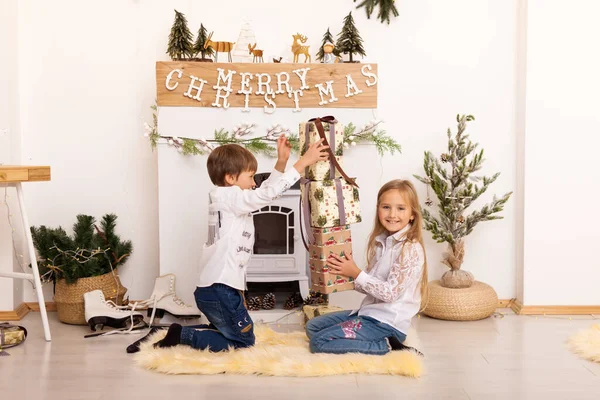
{"type": "Point", "coordinates": [219, 294]}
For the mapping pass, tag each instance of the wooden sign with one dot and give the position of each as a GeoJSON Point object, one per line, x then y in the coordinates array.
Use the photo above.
{"type": "Point", "coordinates": [267, 86]}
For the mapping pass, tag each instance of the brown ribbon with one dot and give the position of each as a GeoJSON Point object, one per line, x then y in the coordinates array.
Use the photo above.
{"type": "Point", "coordinates": [319, 124]}
{"type": "Point", "coordinates": [309, 237]}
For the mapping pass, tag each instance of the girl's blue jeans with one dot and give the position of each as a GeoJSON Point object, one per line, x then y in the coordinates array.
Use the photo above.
{"type": "Point", "coordinates": [340, 332]}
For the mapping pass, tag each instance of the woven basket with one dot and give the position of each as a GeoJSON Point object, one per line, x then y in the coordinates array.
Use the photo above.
{"type": "Point", "coordinates": [69, 297]}
{"type": "Point", "coordinates": [467, 304]}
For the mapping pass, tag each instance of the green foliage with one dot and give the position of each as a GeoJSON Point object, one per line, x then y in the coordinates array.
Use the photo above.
{"type": "Point", "coordinates": [92, 251]}
{"type": "Point", "coordinates": [180, 39]}
{"type": "Point", "coordinates": [327, 38]}
{"type": "Point", "coordinates": [199, 45]}
{"type": "Point", "coordinates": [456, 189]}
{"type": "Point", "coordinates": [385, 8]}
{"type": "Point", "coordinates": [382, 141]}
{"type": "Point", "coordinates": [349, 40]}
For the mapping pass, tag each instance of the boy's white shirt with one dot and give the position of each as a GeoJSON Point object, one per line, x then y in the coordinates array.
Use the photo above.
{"type": "Point", "coordinates": [231, 207]}
{"type": "Point", "coordinates": [393, 286]}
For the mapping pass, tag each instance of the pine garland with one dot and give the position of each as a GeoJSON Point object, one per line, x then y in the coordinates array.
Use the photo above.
{"type": "Point", "coordinates": [369, 134]}
{"type": "Point", "coordinates": [386, 7]}
{"type": "Point", "coordinates": [456, 189]}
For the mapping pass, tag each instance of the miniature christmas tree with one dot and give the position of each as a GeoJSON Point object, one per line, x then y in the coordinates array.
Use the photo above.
{"type": "Point", "coordinates": [327, 38]}
{"type": "Point", "coordinates": [199, 45]}
{"type": "Point", "coordinates": [246, 37]}
{"type": "Point", "coordinates": [456, 189]}
{"type": "Point", "coordinates": [180, 39]}
{"type": "Point", "coordinates": [349, 40]}
{"type": "Point", "coordinates": [385, 8]}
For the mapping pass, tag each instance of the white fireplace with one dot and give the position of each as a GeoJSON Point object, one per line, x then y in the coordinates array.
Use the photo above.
{"type": "Point", "coordinates": [279, 254]}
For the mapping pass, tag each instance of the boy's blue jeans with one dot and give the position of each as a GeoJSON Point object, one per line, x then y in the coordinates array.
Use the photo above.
{"type": "Point", "coordinates": [340, 332]}
{"type": "Point", "coordinates": [230, 323]}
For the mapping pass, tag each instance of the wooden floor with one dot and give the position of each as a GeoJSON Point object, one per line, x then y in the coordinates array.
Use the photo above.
{"type": "Point", "coordinates": [514, 357]}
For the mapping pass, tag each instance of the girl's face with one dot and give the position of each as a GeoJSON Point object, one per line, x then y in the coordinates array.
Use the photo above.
{"type": "Point", "coordinates": [393, 211]}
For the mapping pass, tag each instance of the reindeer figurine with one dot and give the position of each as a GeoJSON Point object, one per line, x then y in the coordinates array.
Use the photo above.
{"type": "Point", "coordinates": [298, 49]}
{"type": "Point", "coordinates": [219, 47]}
{"type": "Point", "coordinates": [258, 54]}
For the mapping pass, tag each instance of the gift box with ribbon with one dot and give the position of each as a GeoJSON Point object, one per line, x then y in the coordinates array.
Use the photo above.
{"type": "Point", "coordinates": [334, 132]}
{"type": "Point", "coordinates": [330, 203]}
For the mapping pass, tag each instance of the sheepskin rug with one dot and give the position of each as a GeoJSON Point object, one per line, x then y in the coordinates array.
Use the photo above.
{"type": "Point", "coordinates": [586, 343]}
{"type": "Point", "coordinates": [276, 354]}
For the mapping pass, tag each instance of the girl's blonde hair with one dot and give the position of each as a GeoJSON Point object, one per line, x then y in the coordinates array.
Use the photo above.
{"type": "Point", "coordinates": [414, 234]}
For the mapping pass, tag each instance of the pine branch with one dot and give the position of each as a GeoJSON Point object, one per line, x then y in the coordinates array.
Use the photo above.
{"type": "Point", "coordinates": [386, 7]}
{"type": "Point", "coordinates": [84, 231]}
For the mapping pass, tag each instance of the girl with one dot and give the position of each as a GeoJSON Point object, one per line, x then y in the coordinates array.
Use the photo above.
{"type": "Point", "coordinates": [395, 281]}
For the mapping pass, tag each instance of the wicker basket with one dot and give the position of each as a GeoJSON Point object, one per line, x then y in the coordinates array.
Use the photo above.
{"type": "Point", "coordinates": [468, 304]}
{"type": "Point", "coordinates": [69, 297]}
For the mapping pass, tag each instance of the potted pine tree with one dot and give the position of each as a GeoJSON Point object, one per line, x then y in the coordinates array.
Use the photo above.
{"type": "Point", "coordinates": [77, 264]}
{"type": "Point", "coordinates": [456, 188]}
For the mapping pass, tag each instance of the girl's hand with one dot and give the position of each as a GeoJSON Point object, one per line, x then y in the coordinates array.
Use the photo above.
{"type": "Point", "coordinates": [344, 266]}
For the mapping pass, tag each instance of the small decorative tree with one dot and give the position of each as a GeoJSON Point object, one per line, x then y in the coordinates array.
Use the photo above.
{"type": "Point", "coordinates": [199, 45]}
{"type": "Point", "coordinates": [91, 251]}
{"type": "Point", "coordinates": [327, 38]}
{"type": "Point", "coordinates": [456, 189]}
{"type": "Point", "coordinates": [349, 40]}
{"type": "Point", "coordinates": [180, 39]}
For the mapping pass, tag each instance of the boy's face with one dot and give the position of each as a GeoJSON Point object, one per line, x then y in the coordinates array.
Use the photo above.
{"type": "Point", "coordinates": [244, 181]}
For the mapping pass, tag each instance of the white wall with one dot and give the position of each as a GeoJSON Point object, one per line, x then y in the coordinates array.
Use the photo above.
{"type": "Point", "coordinates": [434, 68]}
{"type": "Point", "coordinates": [86, 78]}
{"type": "Point", "coordinates": [9, 146]}
{"type": "Point", "coordinates": [561, 151]}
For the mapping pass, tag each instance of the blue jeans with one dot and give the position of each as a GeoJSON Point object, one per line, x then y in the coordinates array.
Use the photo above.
{"type": "Point", "coordinates": [230, 323]}
{"type": "Point", "coordinates": [340, 332]}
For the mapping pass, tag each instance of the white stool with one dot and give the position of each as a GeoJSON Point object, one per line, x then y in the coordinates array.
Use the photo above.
{"type": "Point", "coordinates": [13, 176]}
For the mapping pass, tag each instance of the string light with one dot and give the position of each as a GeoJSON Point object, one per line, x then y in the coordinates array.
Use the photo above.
{"type": "Point", "coordinates": [9, 215]}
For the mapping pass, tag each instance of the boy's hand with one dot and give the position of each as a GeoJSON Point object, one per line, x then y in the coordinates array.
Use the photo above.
{"type": "Point", "coordinates": [316, 152]}
{"type": "Point", "coordinates": [283, 153]}
{"type": "Point", "coordinates": [283, 148]}
{"type": "Point", "coordinates": [344, 266]}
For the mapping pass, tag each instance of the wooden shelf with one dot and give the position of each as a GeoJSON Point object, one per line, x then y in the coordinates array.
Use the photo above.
{"type": "Point", "coordinates": [24, 173]}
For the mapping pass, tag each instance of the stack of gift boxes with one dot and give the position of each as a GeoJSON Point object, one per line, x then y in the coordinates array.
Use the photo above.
{"type": "Point", "coordinates": [329, 205]}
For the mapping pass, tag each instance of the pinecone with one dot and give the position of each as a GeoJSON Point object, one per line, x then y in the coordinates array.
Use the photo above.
{"type": "Point", "coordinates": [445, 157]}
{"type": "Point", "coordinates": [315, 298]}
{"type": "Point", "coordinates": [461, 219]}
{"type": "Point", "coordinates": [268, 301]}
{"type": "Point", "coordinates": [293, 301]}
{"type": "Point", "coordinates": [254, 303]}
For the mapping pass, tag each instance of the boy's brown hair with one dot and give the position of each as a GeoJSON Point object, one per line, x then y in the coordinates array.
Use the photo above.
{"type": "Point", "coordinates": [229, 159]}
